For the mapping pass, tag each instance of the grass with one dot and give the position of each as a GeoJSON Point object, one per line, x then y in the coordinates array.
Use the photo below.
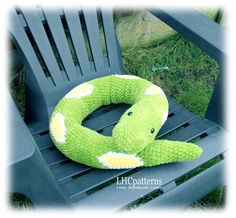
{"type": "Point", "coordinates": [212, 200]}
{"type": "Point", "coordinates": [191, 76]}
{"type": "Point", "coordinates": [16, 83]}
{"type": "Point", "coordinates": [190, 80]}
{"type": "Point", "coordinates": [20, 201]}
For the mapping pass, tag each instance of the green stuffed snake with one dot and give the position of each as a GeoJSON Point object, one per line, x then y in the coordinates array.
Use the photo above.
{"type": "Point", "coordinates": [132, 143]}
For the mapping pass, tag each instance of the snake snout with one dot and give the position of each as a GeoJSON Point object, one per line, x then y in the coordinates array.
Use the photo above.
{"type": "Point", "coordinates": [135, 130]}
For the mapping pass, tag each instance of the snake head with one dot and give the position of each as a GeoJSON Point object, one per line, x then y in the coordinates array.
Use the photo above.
{"type": "Point", "coordinates": [137, 127]}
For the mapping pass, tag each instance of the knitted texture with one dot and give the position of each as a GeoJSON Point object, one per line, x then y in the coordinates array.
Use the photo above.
{"type": "Point", "coordinates": [133, 141]}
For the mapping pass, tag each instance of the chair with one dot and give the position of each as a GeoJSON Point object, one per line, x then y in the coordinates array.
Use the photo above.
{"type": "Point", "coordinates": [62, 48]}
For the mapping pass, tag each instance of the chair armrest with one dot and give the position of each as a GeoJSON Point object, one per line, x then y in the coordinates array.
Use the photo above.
{"type": "Point", "coordinates": [197, 28]}
{"type": "Point", "coordinates": [208, 36]}
{"type": "Point", "coordinates": [22, 144]}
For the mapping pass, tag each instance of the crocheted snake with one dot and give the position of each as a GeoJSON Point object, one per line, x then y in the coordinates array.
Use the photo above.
{"type": "Point", "coordinates": [132, 143]}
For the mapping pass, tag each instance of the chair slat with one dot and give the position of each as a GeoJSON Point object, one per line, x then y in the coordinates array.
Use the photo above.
{"type": "Point", "coordinates": [107, 119]}
{"type": "Point", "coordinates": [21, 38]}
{"type": "Point", "coordinates": [53, 157]}
{"type": "Point", "coordinates": [75, 29]}
{"type": "Point", "coordinates": [90, 180]}
{"type": "Point", "coordinates": [58, 33]}
{"type": "Point", "coordinates": [91, 21]}
{"type": "Point", "coordinates": [110, 39]}
{"type": "Point", "coordinates": [173, 105]}
{"type": "Point", "coordinates": [181, 117]}
{"type": "Point", "coordinates": [195, 129]}
{"type": "Point", "coordinates": [36, 27]}
{"type": "Point", "coordinates": [43, 141]}
{"type": "Point", "coordinates": [110, 196]}
{"type": "Point", "coordinates": [192, 190]}
{"type": "Point", "coordinates": [64, 171]}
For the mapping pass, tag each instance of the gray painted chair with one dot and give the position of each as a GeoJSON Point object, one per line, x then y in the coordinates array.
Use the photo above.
{"type": "Point", "coordinates": [61, 49]}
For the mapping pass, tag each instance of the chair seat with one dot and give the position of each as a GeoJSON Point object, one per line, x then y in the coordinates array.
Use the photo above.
{"type": "Point", "coordinates": [83, 185]}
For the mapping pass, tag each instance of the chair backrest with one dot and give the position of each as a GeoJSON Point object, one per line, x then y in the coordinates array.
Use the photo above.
{"type": "Point", "coordinates": [60, 49]}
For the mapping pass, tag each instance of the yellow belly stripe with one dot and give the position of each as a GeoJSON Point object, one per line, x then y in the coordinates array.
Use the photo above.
{"type": "Point", "coordinates": [80, 91]}
{"type": "Point", "coordinates": [115, 160]}
{"type": "Point", "coordinates": [58, 128]}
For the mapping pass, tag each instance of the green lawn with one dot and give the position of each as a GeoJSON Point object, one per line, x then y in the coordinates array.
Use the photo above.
{"type": "Point", "coordinates": [191, 75]}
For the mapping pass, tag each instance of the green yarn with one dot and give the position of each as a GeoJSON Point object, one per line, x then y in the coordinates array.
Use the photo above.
{"type": "Point", "coordinates": [133, 141]}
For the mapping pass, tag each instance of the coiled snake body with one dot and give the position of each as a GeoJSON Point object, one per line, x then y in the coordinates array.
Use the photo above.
{"type": "Point", "coordinates": [132, 143]}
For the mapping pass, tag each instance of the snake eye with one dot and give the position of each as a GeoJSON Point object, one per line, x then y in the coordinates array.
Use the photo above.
{"type": "Point", "coordinates": [130, 113]}
{"type": "Point", "coordinates": [152, 130]}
